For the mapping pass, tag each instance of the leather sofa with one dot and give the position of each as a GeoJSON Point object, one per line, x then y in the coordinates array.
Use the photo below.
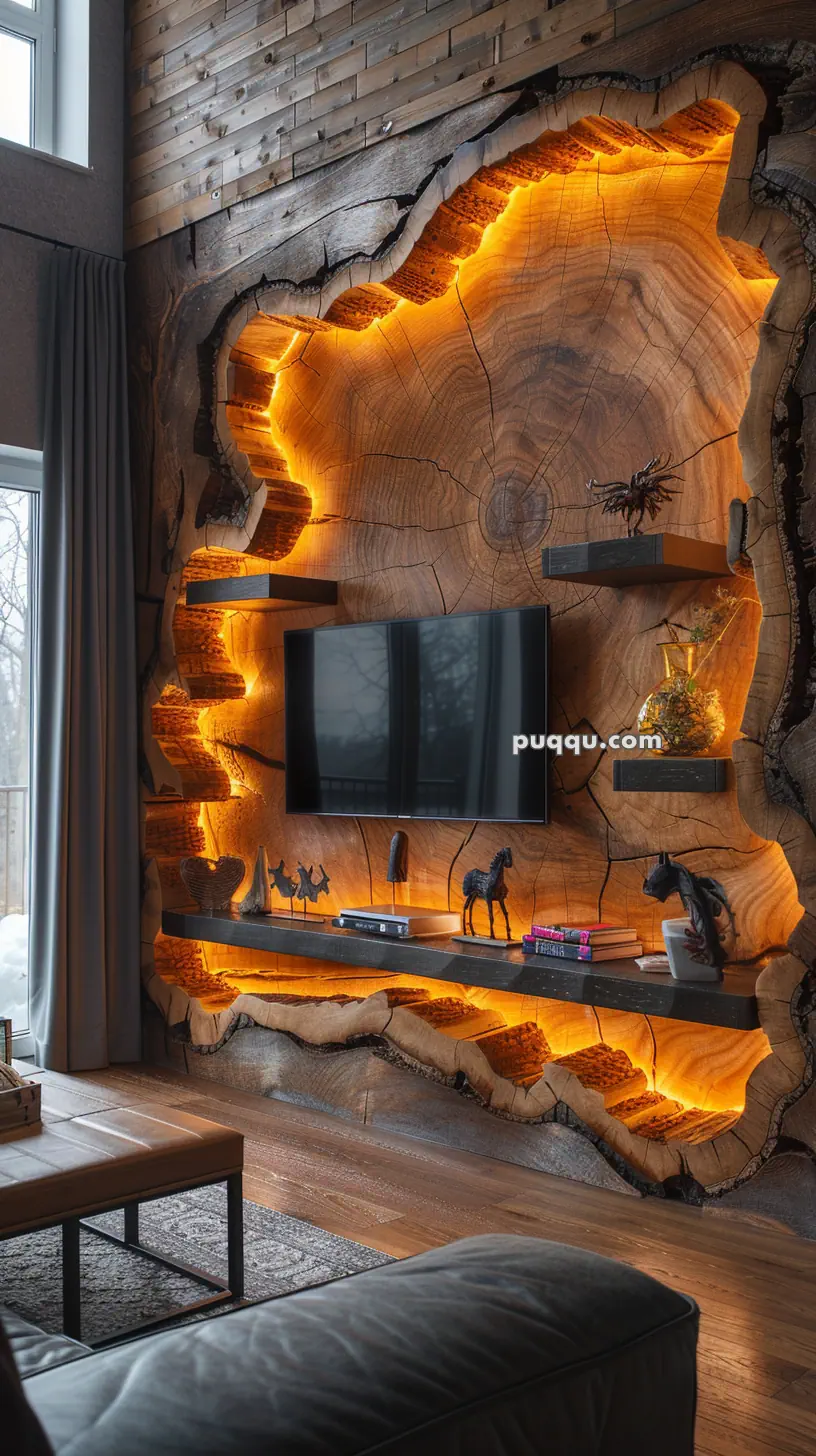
{"type": "Point", "coordinates": [495, 1346]}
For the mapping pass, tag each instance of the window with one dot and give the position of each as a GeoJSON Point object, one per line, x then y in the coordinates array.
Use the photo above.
{"type": "Point", "coordinates": [20, 472]}
{"type": "Point", "coordinates": [27, 71]}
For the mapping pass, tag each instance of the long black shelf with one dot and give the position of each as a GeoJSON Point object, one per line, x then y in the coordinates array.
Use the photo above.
{"type": "Point", "coordinates": [266, 591]}
{"type": "Point", "coordinates": [619, 985]}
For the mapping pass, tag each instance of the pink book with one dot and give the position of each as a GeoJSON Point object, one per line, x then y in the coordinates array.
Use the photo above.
{"type": "Point", "coordinates": [601, 934]}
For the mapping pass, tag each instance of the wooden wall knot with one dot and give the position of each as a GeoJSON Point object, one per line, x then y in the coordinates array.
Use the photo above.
{"type": "Point", "coordinates": [515, 511]}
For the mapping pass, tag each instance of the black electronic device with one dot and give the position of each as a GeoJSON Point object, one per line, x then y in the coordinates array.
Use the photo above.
{"type": "Point", "coordinates": [408, 923]}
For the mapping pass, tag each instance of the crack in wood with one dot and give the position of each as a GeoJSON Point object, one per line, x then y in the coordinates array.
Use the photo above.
{"type": "Point", "coordinates": [432, 565]}
{"type": "Point", "coordinates": [478, 354]}
{"type": "Point", "coordinates": [248, 752]}
{"type": "Point", "coordinates": [413, 459]}
{"type": "Point", "coordinates": [463, 845]}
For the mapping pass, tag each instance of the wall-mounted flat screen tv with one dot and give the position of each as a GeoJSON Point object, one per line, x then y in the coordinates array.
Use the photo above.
{"type": "Point", "coordinates": [416, 719]}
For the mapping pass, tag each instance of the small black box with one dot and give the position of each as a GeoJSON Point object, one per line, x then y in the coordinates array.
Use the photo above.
{"type": "Point", "coordinates": [670, 775]}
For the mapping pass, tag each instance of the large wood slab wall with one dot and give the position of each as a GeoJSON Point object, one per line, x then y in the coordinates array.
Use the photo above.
{"type": "Point", "coordinates": [188, 292]}
{"type": "Point", "coordinates": [232, 97]}
{"type": "Point", "coordinates": [599, 321]}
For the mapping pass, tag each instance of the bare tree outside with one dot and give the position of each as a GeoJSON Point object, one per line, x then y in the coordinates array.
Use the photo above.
{"type": "Point", "coordinates": [15, 734]}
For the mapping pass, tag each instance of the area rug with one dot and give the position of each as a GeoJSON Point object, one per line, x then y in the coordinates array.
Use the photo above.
{"type": "Point", "coordinates": [121, 1288]}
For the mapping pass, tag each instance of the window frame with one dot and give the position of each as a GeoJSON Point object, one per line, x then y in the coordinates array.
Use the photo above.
{"type": "Point", "coordinates": [40, 27]}
{"type": "Point", "coordinates": [22, 469]}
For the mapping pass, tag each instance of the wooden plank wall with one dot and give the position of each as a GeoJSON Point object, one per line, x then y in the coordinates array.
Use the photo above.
{"type": "Point", "coordinates": [233, 97]}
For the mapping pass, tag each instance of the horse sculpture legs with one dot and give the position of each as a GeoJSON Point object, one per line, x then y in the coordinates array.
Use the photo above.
{"type": "Point", "coordinates": [500, 899]}
{"type": "Point", "coordinates": [467, 914]}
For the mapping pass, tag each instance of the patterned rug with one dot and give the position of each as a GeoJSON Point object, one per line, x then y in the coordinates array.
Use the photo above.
{"type": "Point", "coordinates": [120, 1288]}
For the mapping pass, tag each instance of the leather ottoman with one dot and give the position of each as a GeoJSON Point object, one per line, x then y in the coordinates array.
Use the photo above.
{"type": "Point", "coordinates": [70, 1170]}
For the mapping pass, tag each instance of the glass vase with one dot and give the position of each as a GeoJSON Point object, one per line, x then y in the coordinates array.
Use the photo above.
{"type": "Point", "coordinates": [688, 718]}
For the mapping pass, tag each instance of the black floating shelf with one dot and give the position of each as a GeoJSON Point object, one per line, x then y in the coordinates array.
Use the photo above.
{"type": "Point", "coordinates": [266, 592]}
{"type": "Point", "coordinates": [619, 985]}
{"type": "Point", "coordinates": [670, 775]}
{"type": "Point", "coordinates": [635, 560]}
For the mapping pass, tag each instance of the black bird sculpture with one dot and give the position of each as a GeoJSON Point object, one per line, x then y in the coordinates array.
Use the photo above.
{"type": "Point", "coordinates": [705, 902]}
{"type": "Point", "coordinates": [284, 886]}
{"type": "Point", "coordinates": [309, 889]}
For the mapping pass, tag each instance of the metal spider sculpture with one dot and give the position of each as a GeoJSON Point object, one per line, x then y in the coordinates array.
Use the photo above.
{"type": "Point", "coordinates": [645, 494]}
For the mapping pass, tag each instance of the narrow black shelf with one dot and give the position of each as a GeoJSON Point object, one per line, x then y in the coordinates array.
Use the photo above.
{"type": "Point", "coordinates": [635, 560]}
{"type": "Point", "coordinates": [265, 592]}
{"type": "Point", "coordinates": [620, 985]}
{"type": "Point", "coordinates": [666, 775]}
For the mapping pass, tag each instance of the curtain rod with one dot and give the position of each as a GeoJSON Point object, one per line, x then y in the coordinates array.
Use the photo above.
{"type": "Point", "coordinates": [8, 227]}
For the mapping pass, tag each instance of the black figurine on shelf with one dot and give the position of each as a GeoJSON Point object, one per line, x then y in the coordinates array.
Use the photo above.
{"type": "Point", "coordinates": [705, 902]}
{"type": "Point", "coordinates": [397, 864]}
{"type": "Point", "coordinates": [644, 494]}
{"type": "Point", "coordinates": [285, 887]}
{"type": "Point", "coordinates": [309, 889]}
{"type": "Point", "coordinates": [487, 885]}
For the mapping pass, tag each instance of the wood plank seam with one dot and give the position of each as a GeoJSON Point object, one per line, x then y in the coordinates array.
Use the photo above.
{"type": "Point", "coordinates": [211, 87]}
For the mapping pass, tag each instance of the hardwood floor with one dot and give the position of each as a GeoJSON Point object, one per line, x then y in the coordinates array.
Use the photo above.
{"type": "Point", "coordinates": [756, 1287]}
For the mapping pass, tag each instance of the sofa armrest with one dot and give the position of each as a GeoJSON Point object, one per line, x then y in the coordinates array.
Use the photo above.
{"type": "Point", "coordinates": [35, 1350]}
{"type": "Point", "coordinates": [20, 1431]}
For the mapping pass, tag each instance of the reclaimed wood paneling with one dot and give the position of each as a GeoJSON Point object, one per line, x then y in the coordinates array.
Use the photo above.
{"type": "Point", "coordinates": [230, 98]}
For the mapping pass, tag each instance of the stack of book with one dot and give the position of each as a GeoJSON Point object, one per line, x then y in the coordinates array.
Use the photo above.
{"type": "Point", "coordinates": [583, 942]}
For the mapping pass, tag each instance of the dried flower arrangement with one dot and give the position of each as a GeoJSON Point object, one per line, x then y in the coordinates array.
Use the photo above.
{"type": "Point", "coordinates": [711, 621]}
{"type": "Point", "coordinates": [688, 718]}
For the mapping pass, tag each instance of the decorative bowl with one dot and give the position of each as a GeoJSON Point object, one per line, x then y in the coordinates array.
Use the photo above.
{"type": "Point", "coordinates": [212, 882]}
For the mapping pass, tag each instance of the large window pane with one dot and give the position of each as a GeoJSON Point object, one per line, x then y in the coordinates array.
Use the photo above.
{"type": "Point", "coordinates": [16, 71]}
{"type": "Point", "coordinates": [16, 511]}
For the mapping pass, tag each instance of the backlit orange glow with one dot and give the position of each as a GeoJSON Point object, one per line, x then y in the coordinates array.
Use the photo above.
{"type": "Point", "coordinates": [699, 1067]}
{"type": "Point", "coordinates": [307, 396]}
{"type": "Point", "coordinates": [479, 223]}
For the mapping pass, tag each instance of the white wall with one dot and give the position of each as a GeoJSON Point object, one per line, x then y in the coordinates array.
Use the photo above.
{"type": "Point", "coordinates": [81, 207]}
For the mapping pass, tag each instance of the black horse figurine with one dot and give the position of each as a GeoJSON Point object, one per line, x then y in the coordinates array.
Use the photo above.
{"type": "Point", "coordinates": [487, 885]}
{"type": "Point", "coordinates": [284, 886]}
{"type": "Point", "coordinates": [309, 889]}
{"type": "Point", "coordinates": [705, 902]}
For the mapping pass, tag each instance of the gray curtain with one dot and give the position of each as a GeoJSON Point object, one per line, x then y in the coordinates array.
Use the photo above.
{"type": "Point", "coordinates": [84, 981]}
